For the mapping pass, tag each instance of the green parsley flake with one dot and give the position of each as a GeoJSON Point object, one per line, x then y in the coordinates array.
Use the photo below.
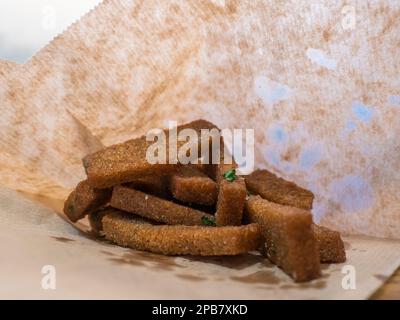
{"type": "Point", "coordinates": [230, 175]}
{"type": "Point", "coordinates": [71, 207]}
{"type": "Point", "coordinates": [207, 221]}
{"type": "Point", "coordinates": [85, 165]}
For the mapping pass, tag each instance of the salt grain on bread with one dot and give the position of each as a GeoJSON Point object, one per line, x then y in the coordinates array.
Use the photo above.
{"type": "Point", "coordinates": [289, 240]}
{"type": "Point", "coordinates": [130, 231]}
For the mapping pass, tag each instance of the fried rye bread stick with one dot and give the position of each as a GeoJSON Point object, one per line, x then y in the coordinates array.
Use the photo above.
{"type": "Point", "coordinates": [230, 204]}
{"type": "Point", "coordinates": [124, 162]}
{"type": "Point", "coordinates": [85, 199]}
{"type": "Point", "coordinates": [155, 208]}
{"type": "Point", "coordinates": [226, 163]}
{"type": "Point", "coordinates": [193, 186]}
{"type": "Point", "coordinates": [289, 240]}
{"type": "Point", "coordinates": [129, 231]}
{"type": "Point", "coordinates": [278, 190]}
{"type": "Point", "coordinates": [155, 185]}
{"type": "Point", "coordinates": [331, 246]}
{"type": "Point", "coordinates": [231, 193]}
{"type": "Point", "coordinates": [95, 219]}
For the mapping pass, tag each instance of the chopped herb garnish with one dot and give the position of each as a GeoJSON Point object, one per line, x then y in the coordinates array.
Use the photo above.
{"type": "Point", "coordinates": [85, 164]}
{"type": "Point", "coordinates": [249, 194]}
{"type": "Point", "coordinates": [230, 175]}
{"type": "Point", "coordinates": [208, 221]}
{"type": "Point", "coordinates": [71, 207]}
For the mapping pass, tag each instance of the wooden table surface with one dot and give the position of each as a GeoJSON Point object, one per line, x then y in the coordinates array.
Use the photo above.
{"type": "Point", "coordinates": [390, 290]}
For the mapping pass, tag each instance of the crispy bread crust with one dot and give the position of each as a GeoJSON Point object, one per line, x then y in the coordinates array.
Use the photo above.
{"type": "Point", "coordinates": [129, 231]}
{"type": "Point", "coordinates": [289, 239]}
{"type": "Point", "coordinates": [275, 189]}
{"type": "Point", "coordinates": [193, 186]}
{"type": "Point", "coordinates": [154, 208]}
{"type": "Point", "coordinates": [85, 199]}
{"type": "Point", "coordinates": [331, 246]}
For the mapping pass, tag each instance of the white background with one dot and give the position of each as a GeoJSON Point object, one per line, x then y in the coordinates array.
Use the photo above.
{"type": "Point", "coordinates": [28, 25]}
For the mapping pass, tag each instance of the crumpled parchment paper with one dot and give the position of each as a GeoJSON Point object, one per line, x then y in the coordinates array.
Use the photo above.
{"type": "Point", "coordinates": [32, 237]}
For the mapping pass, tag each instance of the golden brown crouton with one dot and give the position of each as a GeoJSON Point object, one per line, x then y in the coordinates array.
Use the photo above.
{"type": "Point", "coordinates": [125, 162]}
{"type": "Point", "coordinates": [155, 185]}
{"type": "Point", "coordinates": [155, 208]}
{"type": "Point", "coordinates": [289, 240]}
{"type": "Point", "coordinates": [85, 199]}
{"type": "Point", "coordinates": [95, 219]}
{"type": "Point", "coordinates": [331, 246]}
{"type": "Point", "coordinates": [193, 186]}
{"type": "Point", "coordinates": [231, 200]}
{"type": "Point", "coordinates": [278, 190]}
{"type": "Point", "coordinates": [130, 231]}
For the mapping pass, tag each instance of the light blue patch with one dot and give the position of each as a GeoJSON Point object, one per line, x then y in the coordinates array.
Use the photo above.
{"type": "Point", "coordinates": [271, 92]}
{"type": "Point", "coordinates": [309, 157]}
{"type": "Point", "coordinates": [288, 168]}
{"type": "Point", "coordinates": [273, 157]}
{"type": "Point", "coordinates": [395, 100]}
{"type": "Point", "coordinates": [279, 93]}
{"type": "Point", "coordinates": [320, 58]}
{"type": "Point", "coordinates": [278, 134]}
{"type": "Point", "coordinates": [319, 210]}
{"type": "Point", "coordinates": [350, 125]}
{"type": "Point", "coordinates": [363, 112]}
{"type": "Point", "coordinates": [352, 192]}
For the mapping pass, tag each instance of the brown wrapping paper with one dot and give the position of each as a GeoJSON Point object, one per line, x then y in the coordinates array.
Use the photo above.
{"type": "Point", "coordinates": [321, 92]}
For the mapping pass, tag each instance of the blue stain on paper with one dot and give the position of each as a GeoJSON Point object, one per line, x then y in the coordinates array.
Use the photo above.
{"type": "Point", "coordinates": [309, 157]}
{"type": "Point", "coordinates": [395, 100]}
{"type": "Point", "coordinates": [319, 209]}
{"type": "Point", "coordinates": [278, 134]}
{"type": "Point", "coordinates": [270, 91]}
{"type": "Point", "coordinates": [352, 192]}
{"type": "Point", "coordinates": [273, 157]}
{"type": "Point", "coordinates": [278, 93]}
{"type": "Point", "coordinates": [351, 125]}
{"type": "Point", "coordinates": [363, 112]}
{"type": "Point", "coordinates": [320, 58]}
